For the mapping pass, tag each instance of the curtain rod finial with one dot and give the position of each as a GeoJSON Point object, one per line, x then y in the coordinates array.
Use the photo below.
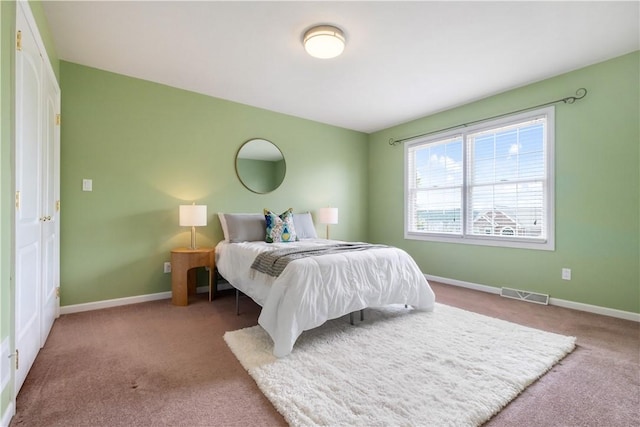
{"type": "Point", "coordinates": [580, 93]}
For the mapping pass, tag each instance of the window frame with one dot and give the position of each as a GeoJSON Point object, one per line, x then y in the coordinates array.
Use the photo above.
{"type": "Point", "coordinates": [547, 243]}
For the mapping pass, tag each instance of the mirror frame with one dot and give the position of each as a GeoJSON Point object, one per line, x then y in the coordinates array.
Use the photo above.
{"type": "Point", "coordinates": [248, 185]}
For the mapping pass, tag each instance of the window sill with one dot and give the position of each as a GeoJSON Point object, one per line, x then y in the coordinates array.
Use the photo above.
{"type": "Point", "coordinates": [541, 245]}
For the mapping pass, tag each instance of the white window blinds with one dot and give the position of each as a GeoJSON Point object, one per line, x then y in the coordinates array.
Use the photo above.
{"type": "Point", "coordinates": [436, 186]}
{"type": "Point", "coordinates": [506, 181]}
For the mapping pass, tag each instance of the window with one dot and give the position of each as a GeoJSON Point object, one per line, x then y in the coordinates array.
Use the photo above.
{"type": "Point", "coordinates": [489, 184]}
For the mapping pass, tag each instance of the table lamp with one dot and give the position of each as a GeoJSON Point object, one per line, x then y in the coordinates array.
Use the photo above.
{"type": "Point", "coordinates": [328, 216]}
{"type": "Point", "coordinates": [193, 216]}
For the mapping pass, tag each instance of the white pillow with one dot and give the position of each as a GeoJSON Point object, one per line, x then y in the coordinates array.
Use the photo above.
{"type": "Point", "coordinates": [223, 224]}
{"type": "Point", "coordinates": [303, 223]}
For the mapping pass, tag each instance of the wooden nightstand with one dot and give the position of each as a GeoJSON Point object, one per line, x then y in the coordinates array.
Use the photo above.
{"type": "Point", "coordinates": [183, 273]}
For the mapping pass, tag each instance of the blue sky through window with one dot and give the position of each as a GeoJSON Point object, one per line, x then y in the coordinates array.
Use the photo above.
{"type": "Point", "coordinates": [506, 168]}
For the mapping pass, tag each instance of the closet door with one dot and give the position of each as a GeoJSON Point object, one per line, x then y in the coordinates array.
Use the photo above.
{"type": "Point", "coordinates": [50, 212]}
{"type": "Point", "coordinates": [28, 216]}
{"type": "Point", "coordinates": [37, 177]}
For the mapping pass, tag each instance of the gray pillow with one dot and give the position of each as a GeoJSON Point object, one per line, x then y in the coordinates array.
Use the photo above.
{"type": "Point", "coordinates": [245, 227]}
{"type": "Point", "coordinates": [303, 224]}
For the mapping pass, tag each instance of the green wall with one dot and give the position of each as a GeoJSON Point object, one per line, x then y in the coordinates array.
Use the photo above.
{"type": "Point", "coordinates": [597, 192]}
{"type": "Point", "coordinates": [149, 148]}
{"type": "Point", "coordinates": [7, 26]}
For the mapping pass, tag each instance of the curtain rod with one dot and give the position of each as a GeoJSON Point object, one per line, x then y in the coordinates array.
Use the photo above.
{"type": "Point", "coordinates": [580, 93]}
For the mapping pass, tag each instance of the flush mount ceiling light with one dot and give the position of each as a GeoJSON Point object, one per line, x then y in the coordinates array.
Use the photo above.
{"type": "Point", "coordinates": [324, 41]}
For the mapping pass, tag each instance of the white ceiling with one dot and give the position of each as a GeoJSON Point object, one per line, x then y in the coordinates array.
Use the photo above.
{"type": "Point", "coordinates": [403, 60]}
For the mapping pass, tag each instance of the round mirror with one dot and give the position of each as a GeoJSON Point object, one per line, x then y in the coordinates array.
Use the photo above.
{"type": "Point", "coordinates": [260, 166]}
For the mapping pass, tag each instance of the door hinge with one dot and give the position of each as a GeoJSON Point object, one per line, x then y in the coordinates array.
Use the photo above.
{"type": "Point", "coordinates": [58, 291]}
{"type": "Point", "coordinates": [58, 120]}
{"type": "Point", "coordinates": [57, 205]}
{"type": "Point", "coordinates": [17, 200]}
{"type": "Point", "coordinates": [19, 40]}
{"type": "Point", "coordinates": [17, 359]}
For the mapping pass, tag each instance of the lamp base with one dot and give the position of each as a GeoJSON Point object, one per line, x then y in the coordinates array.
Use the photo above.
{"type": "Point", "coordinates": [193, 238]}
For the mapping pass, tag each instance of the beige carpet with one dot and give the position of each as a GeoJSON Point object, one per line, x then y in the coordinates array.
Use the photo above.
{"type": "Point", "coordinates": [400, 367]}
{"type": "Point", "coordinates": [154, 364]}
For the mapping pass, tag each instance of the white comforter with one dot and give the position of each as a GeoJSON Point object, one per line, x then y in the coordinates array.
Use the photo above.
{"type": "Point", "coordinates": [312, 290]}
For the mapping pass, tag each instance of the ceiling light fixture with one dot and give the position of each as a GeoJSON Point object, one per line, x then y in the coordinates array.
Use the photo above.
{"type": "Point", "coordinates": [324, 41]}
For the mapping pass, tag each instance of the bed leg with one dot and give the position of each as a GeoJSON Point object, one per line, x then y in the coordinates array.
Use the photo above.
{"type": "Point", "coordinates": [237, 302]}
{"type": "Point", "coordinates": [351, 318]}
{"type": "Point", "coordinates": [362, 315]}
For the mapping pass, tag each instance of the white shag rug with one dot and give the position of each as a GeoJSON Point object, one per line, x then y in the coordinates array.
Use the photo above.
{"type": "Point", "coordinates": [449, 367]}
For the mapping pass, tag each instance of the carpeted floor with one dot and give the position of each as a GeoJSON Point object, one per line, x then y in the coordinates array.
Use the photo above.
{"type": "Point", "coordinates": [156, 364]}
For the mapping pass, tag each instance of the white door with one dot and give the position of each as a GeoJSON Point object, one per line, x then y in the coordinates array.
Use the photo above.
{"type": "Point", "coordinates": [37, 177]}
{"type": "Point", "coordinates": [50, 217]}
{"type": "Point", "coordinates": [28, 223]}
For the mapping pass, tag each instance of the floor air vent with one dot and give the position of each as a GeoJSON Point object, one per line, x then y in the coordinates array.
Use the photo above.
{"type": "Point", "coordinates": [524, 296]}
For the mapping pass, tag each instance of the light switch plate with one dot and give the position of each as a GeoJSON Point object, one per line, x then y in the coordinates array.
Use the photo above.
{"type": "Point", "coordinates": [87, 185]}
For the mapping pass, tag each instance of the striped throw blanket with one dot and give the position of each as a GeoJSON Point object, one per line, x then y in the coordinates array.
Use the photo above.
{"type": "Point", "coordinates": [274, 262]}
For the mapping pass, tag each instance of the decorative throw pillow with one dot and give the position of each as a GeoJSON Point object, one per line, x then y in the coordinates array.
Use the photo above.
{"type": "Point", "coordinates": [280, 228]}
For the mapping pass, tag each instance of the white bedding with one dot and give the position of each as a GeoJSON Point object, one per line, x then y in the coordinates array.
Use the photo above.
{"type": "Point", "coordinates": [312, 290]}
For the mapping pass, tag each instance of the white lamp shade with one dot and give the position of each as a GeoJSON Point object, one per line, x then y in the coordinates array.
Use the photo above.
{"type": "Point", "coordinates": [328, 215]}
{"type": "Point", "coordinates": [324, 41]}
{"type": "Point", "coordinates": [193, 215]}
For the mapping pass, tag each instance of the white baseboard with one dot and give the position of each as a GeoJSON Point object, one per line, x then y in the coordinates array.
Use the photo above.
{"type": "Point", "coordinates": [5, 364]}
{"type": "Point", "coordinates": [605, 311]}
{"type": "Point", "coordinates": [97, 305]}
{"type": "Point", "coordinates": [627, 315]}
{"type": "Point", "coordinates": [8, 414]}
{"type": "Point", "coordinates": [469, 285]}
{"type": "Point", "coordinates": [612, 312]}
{"type": "Point", "coordinates": [5, 380]}
{"type": "Point", "coordinates": [77, 308]}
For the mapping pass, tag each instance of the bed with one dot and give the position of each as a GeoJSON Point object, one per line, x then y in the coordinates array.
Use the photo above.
{"type": "Point", "coordinates": [313, 289]}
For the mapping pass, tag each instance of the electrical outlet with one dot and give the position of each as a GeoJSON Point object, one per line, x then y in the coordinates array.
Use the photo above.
{"type": "Point", "coordinates": [167, 267]}
{"type": "Point", "coordinates": [566, 274]}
